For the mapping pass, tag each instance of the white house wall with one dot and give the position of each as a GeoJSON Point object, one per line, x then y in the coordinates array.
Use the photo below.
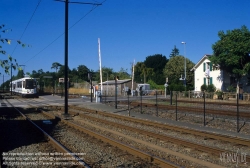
{"type": "Point", "coordinates": [199, 74]}
{"type": "Point", "coordinates": [220, 79]}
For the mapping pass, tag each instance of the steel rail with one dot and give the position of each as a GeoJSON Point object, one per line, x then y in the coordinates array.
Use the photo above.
{"type": "Point", "coordinates": [212, 135]}
{"type": "Point", "coordinates": [129, 149]}
{"type": "Point", "coordinates": [199, 147]}
{"type": "Point", "coordinates": [52, 141]}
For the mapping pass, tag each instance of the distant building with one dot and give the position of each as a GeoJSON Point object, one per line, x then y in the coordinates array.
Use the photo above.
{"type": "Point", "coordinates": [207, 73]}
{"type": "Point", "coordinates": [122, 86]}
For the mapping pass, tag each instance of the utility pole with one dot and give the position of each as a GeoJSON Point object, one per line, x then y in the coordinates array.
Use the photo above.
{"type": "Point", "coordinates": [185, 65]}
{"type": "Point", "coordinates": [66, 50]}
{"type": "Point", "coordinates": [11, 79]}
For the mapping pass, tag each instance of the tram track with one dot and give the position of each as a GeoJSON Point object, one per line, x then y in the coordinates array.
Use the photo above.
{"type": "Point", "coordinates": [48, 107]}
{"type": "Point", "coordinates": [57, 145]}
{"type": "Point", "coordinates": [129, 149]}
{"type": "Point", "coordinates": [175, 140]}
{"type": "Point", "coordinates": [154, 160]}
{"type": "Point", "coordinates": [226, 138]}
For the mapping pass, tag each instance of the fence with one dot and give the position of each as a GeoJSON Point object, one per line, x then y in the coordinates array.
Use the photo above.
{"type": "Point", "coordinates": [204, 106]}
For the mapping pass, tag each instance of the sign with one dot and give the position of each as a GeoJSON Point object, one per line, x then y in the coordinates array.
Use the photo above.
{"type": "Point", "coordinates": [61, 80]}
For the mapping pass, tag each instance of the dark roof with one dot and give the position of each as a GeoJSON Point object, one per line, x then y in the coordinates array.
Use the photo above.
{"type": "Point", "coordinates": [112, 82]}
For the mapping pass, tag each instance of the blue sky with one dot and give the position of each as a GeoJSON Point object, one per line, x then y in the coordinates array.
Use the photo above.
{"type": "Point", "coordinates": [129, 30]}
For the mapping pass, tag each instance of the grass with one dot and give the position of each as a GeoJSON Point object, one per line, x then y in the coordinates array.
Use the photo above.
{"type": "Point", "coordinates": [79, 91]}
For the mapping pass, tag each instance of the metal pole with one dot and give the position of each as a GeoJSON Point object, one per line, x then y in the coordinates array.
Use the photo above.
{"type": "Point", "coordinates": [105, 97]}
{"type": "Point", "coordinates": [204, 108]}
{"type": "Point", "coordinates": [11, 79]}
{"type": "Point", "coordinates": [115, 93]}
{"type": "Point", "coordinates": [156, 103]}
{"type": "Point", "coordinates": [107, 84]}
{"type": "Point", "coordinates": [141, 100]}
{"type": "Point", "coordinates": [176, 107]}
{"type": "Point", "coordinates": [238, 112]}
{"type": "Point", "coordinates": [171, 96]}
{"type": "Point", "coordinates": [165, 92]}
{"type": "Point", "coordinates": [66, 58]}
{"type": "Point", "coordinates": [91, 89]}
{"type": "Point", "coordinates": [128, 105]}
{"type": "Point", "coordinates": [3, 83]}
{"type": "Point", "coordinates": [185, 75]}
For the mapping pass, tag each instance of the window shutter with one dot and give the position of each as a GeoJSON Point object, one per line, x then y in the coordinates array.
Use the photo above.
{"type": "Point", "coordinates": [211, 66]}
{"type": "Point", "coordinates": [211, 80]}
{"type": "Point", "coordinates": [205, 83]}
{"type": "Point", "coordinates": [204, 67]}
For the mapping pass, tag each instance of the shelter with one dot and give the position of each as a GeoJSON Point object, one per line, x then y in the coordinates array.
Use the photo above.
{"type": "Point", "coordinates": [122, 87]}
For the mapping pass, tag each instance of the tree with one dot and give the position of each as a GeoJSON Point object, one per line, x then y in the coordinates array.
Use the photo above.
{"type": "Point", "coordinates": [82, 72]}
{"type": "Point", "coordinates": [56, 65]}
{"type": "Point", "coordinates": [231, 52]}
{"type": "Point", "coordinates": [141, 71]}
{"type": "Point", "coordinates": [20, 74]}
{"type": "Point", "coordinates": [9, 62]}
{"type": "Point", "coordinates": [157, 63]}
{"type": "Point", "coordinates": [123, 74]}
{"type": "Point", "coordinates": [175, 52]}
{"type": "Point", "coordinates": [174, 69]}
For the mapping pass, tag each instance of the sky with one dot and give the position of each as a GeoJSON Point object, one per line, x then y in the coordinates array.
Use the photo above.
{"type": "Point", "coordinates": [129, 30]}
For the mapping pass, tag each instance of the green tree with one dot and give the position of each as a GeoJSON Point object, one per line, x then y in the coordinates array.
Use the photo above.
{"type": "Point", "coordinates": [232, 51]}
{"type": "Point", "coordinates": [107, 73]}
{"type": "Point", "coordinates": [157, 63]}
{"type": "Point", "coordinates": [174, 69]}
{"type": "Point", "coordinates": [55, 66]}
{"type": "Point", "coordinates": [142, 72]}
{"type": "Point", "coordinates": [123, 74]}
{"type": "Point", "coordinates": [20, 74]}
{"type": "Point", "coordinates": [82, 72]}
{"type": "Point", "coordinates": [9, 61]}
{"type": "Point", "coordinates": [175, 52]}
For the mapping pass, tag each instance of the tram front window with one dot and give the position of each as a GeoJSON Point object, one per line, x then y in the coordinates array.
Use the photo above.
{"type": "Point", "coordinates": [30, 84]}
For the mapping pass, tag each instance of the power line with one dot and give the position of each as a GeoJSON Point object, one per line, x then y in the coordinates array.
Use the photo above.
{"type": "Point", "coordinates": [94, 7]}
{"type": "Point", "coordinates": [27, 24]}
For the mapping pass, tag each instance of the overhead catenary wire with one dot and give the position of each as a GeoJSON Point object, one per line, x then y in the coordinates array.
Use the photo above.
{"type": "Point", "coordinates": [27, 24]}
{"type": "Point", "coordinates": [93, 8]}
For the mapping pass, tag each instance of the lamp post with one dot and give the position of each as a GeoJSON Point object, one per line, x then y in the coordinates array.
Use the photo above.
{"type": "Point", "coordinates": [107, 84]}
{"type": "Point", "coordinates": [184, 63]}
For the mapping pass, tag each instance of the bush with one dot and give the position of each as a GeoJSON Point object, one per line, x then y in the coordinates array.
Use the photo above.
{"type": "Point", "coordinates": [176, 87]}
{"type": "Point", "coordinates": [153, 85]}
{"type": "Point", "coordinates": [231, 89]}
{"type": "Point", "coordinates": [211, 88]}
{"type": "Point", "coordinates": [203, 87]}
{"type": "Point", "coordinates": [219, 94]}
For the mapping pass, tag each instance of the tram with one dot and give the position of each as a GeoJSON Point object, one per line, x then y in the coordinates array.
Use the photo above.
{"type": "Point", "coordinates": [25, 87]}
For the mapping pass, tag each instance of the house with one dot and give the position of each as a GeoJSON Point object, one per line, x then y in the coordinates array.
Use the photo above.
{"type": "Point", "coordinates": [207, 73]}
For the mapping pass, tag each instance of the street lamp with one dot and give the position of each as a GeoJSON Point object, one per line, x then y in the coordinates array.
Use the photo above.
{"type": "Point", "coordinates": [184, 62]}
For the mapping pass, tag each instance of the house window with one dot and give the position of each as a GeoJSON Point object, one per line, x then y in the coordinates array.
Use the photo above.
{"type": "Point", "coordinates": [211, 66]}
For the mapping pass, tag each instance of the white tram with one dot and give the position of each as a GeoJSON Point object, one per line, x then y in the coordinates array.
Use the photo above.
{"type": "Point", "coordinates": [26, 87]}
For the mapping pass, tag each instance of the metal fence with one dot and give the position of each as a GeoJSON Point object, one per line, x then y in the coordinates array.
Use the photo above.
{"type": "Point", "coordinates": [203, 105]}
